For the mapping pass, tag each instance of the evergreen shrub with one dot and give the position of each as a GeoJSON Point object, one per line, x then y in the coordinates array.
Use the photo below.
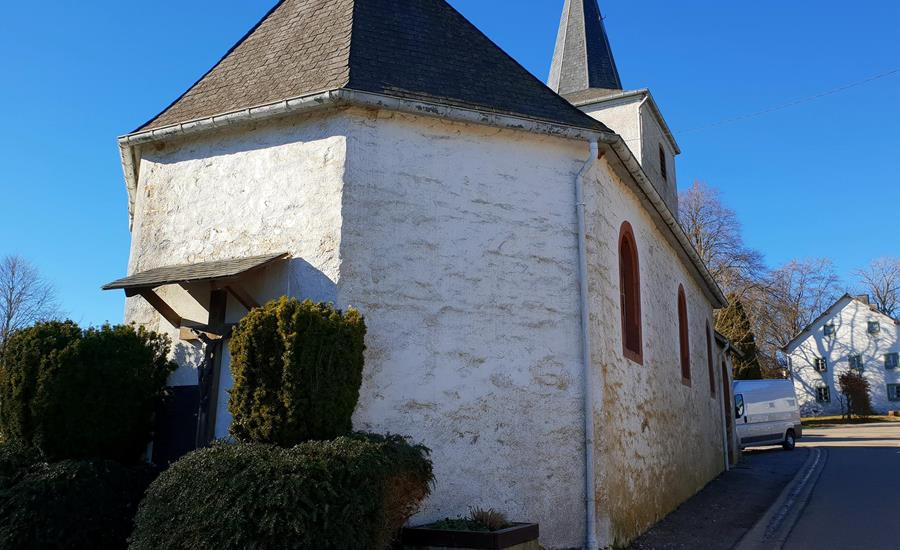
{"type": "Point", "coordinates": [349, 493]}
{"type": "Point", "coordinates": [69, 504]}
{"type": "Point", "coordinates": [856, 388]}
{"type": "Point", "coordinates": [74, 393]}
{"type": "Point", "coordinates": [297, 369]}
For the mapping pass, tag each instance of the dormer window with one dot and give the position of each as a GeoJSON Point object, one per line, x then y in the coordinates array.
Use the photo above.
{"type": "Point", "coordinates": [828, 329]}
{"type": "Point", "coordinates": [662, 164]}
{"type": "Point", "coordinates": [874, 327]}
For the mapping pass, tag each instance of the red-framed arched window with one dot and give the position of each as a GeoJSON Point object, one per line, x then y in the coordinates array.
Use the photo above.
{"type": "Point", "coordinates": [684, 337]}
{"type": "Point", "coordinates": [630, 294]}
{"type": "Point", "coordinates": [709, 358]}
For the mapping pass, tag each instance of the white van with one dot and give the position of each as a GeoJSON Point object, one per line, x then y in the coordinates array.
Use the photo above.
{"type": "Point", "coordinates": [766, 413]}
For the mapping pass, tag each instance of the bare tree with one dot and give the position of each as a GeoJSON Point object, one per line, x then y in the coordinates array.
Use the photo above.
{"type": "Point", "coordinates": [715, 232]}
{"type": "Point", "coordinates": [25, 296]}
{"type": "Point", "coordinates": [882, 281]}
{"type": "Point", "coordinates": [797, 293]}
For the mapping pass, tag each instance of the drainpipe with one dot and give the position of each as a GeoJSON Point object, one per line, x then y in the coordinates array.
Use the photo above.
{"type": "Point", "coordinates": [590, 499]}
{"type": "Point", "coordinates": [724, 361]}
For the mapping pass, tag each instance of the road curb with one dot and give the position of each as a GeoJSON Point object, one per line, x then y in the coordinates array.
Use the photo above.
{"type": "Point", "coordinates": [772, 530]}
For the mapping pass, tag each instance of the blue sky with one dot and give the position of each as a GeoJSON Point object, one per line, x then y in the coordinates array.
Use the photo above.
{"type": "Point", "coordinates": [816, 179]}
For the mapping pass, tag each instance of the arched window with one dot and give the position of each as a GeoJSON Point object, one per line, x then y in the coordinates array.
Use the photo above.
{"type": "Point", "coordinates": [709, 358]}
{"type": "Point", "coordinates": [630, 293]}
{"type": "Point", "coordinates": [684, 337]}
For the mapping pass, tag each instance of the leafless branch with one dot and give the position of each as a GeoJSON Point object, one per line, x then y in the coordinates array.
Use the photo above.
{"type": "Point", "coordinates": [882, 281]}
{"type": "Point", "coordinates": [25, 296]}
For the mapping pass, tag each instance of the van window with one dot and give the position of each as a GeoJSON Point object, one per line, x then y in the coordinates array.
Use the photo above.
{"type": "Point", "coordinates": [738, 405]}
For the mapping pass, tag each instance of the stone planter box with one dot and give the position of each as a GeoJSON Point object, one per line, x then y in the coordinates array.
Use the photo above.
{"type": "Point", "coordinates": [521, 536]}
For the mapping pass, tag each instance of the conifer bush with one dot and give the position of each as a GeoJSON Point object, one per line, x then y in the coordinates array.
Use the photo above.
{"type": "Point", "coordinates": [349, 493]}
{"type": "Point", "coordinates": [297, 369]}
{"type": "Point", "coordinates": [69, 504]}
{"type": "Point", "coordinates": [73, 393]}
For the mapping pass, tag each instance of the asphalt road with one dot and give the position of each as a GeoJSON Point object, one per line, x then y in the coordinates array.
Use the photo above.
{"type": "Point", "coordinates": [856, 500]}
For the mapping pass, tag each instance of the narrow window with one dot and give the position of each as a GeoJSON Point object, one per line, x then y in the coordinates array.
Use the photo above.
{"type": "Point", "coordinates": [874, 327]}
{"type": "Point", "coordinates": [709, 357]}
{"type": "Point", "coordinates": [821, 364]}
{"type": "Point", "coordinates": [823, 394]}
{"type": "Point", "coordinates": [892, 360]}
{"type": "Point", "coordinates": [684, 337]}
{"type": "Point", "coordinates": [893, 392]}
{"type": "Point", "coordinates": [662, 164]}
{"type": "Point", "coordinates": [828, 329]}
{"type": "Point", "coordinates": [856, 362]}
{"type": "Point", "coordinates": [630, 294]}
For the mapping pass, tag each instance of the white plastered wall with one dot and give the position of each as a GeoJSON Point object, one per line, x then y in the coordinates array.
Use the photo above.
{"type": "Point", "coordinates": [850, 318]}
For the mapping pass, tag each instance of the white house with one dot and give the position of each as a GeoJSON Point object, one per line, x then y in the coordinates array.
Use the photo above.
{"type": "Point", "coordinates": [536, 315]}
{"type": "Point", "coordinates": [851, 334]}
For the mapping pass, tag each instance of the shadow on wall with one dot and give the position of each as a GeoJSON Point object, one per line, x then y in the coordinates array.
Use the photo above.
{"type": "Point", "coordinates": [307, 282]}
{"type": "Point", "coordinates": [838, 351]}
{"type": "Point", "coordinates": [243, 139]}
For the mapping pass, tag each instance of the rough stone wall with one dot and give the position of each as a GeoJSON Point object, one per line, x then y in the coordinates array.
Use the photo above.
{"type": "Point", "coordinates": [652, 137]}
{"type": "Point", "coordinates": [658, 441]}
{"type": "Point", "coordinates": [850, 318]}
{"type": "Point", "coordinates": [637, 123]}
{"type": "Point", "coordinates": [260, 189]}
{"type": "Point", "coordinates": [622, 116]}
{"type": "Point", "coordinates": [459, 245]}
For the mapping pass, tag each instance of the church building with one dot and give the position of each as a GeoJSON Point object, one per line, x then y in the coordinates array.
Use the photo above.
{"type": "Point", "coordinates": [536, 314]}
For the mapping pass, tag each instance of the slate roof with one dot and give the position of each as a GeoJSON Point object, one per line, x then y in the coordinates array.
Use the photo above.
{"type": "Point", "coordinates": [583, 58]}
{"type": "Point", "coordinates": [413, 49]}
{"type": "Point", "coordinates": [192, 273]}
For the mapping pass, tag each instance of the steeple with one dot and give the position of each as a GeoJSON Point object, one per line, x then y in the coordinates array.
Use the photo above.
{"type": "Point", "coordinates": [583, 58]}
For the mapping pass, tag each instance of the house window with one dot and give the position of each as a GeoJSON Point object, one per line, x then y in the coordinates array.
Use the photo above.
{"type": "Point", "coordinates": [709, 358]}
{"type": "Point", "coordinates": [662, 164]}
{"type": "Point", "coordinates": [630, 295]}
{"type": "Point", "coordinates": [684, 337]}
{"type": "Point", "coordinates": [823, 394]}
{"type": "Point", "coordinates": [874, 327]}
{"type": "Point", "coordinates": [828, 329]}
{"type": "Point", "coordinates": [856, 362]}
{"type": "Point", "coordinates": [893, 392]}
{"type": "Point", "coordinates": [821, 364]}
{"type": "Point", "coordinates": [892, 360]}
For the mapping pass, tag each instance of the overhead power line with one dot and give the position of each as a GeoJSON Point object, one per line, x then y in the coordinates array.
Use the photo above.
{"type": "Point", "coordinates": [792, 103]}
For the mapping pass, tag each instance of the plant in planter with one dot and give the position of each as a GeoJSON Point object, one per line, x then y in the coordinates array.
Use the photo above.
{"type": "Point", "coordinates": [481, 530]}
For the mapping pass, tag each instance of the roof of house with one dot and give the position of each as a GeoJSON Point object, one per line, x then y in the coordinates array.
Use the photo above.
{"type": "Point", "coordinates": [411, 49]}
{"type": "Point", "coordinates": [583, 58]}
{"type": "Point", "coordinates": [192, 273]}
{"type": "Point", "coordinates": [828, 311]}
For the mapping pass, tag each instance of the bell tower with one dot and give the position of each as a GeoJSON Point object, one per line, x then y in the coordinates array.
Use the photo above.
{"type": "Point", "coordinates": [584, 72]}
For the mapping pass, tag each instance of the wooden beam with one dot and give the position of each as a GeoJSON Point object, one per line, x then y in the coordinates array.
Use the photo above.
{"type": "Point", "coordinates": [218, 301]}
{"type": "Point", "coordinates": [161, 306]}
{"type": "Point", "coordinates": [242, 296]}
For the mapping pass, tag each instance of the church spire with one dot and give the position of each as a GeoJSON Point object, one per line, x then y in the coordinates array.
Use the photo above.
{"type": "Point", "coordinates": [583, 58]}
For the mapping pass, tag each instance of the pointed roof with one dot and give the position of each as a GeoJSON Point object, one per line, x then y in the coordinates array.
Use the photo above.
{"type": "Point", "coordinates": [412, 49]}
{"type": "Point", "coordinates": [583, 58]}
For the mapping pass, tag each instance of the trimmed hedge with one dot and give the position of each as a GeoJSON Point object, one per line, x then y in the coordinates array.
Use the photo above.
{"type": "Point", "coordinates": [74, 393]}
{"type": "Point", "coordinates": [297, 369]}
{"type": "Point", "coordinates": [350, 493]}
{"type": "Point", "coordinates": [67, 504]}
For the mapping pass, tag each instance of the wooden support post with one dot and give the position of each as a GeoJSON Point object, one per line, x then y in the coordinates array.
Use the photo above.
{"type": "Point", "coordinates": [210, 379]}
